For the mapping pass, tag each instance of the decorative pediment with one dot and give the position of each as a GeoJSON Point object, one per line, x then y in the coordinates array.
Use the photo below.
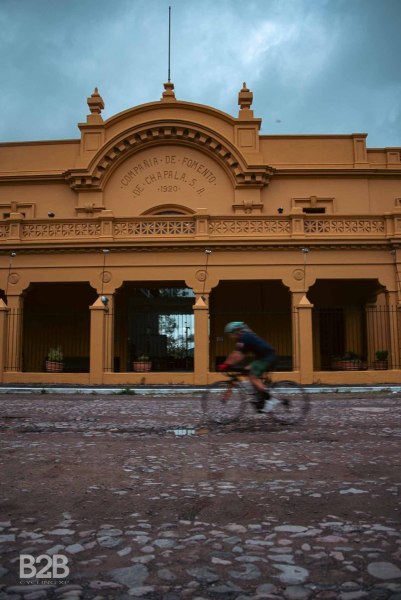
{"type": "Point", "coordinates": [221, 150]}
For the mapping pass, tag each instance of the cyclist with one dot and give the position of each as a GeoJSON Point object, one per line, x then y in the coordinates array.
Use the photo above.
{"type": "Point", "coordinates": [247, 342]}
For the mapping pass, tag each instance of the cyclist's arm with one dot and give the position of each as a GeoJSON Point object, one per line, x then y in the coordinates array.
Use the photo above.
{"type": "Point", "coordinates": [234, 358]}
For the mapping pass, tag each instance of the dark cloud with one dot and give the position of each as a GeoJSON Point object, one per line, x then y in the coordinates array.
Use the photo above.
{"type": "Point", "coordinates": [315, 66]}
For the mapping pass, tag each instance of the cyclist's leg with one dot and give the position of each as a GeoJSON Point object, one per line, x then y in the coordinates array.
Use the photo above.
{"type": "Point", "coordinates": [293, 402]}
{"type": "Point", "coordinates": [257, 369]}
{"type": "Point", "coordinates": [265, 402]}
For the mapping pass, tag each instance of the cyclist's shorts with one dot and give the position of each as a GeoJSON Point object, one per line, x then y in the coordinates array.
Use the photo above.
{"type": "Point", "coordinates": [259, 366]}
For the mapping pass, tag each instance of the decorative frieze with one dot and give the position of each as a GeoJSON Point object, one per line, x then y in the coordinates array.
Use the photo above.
{"type": "Point", "coordinates": [4, 231]}
{"type": "Point", "coordinates": [156, 228]}
{"type": "Point", "coordinates": [344, 226]}
{"type": "Point", "coordinates": [249, 227]}
{"type": "Point", "coordinates": [60, 230]}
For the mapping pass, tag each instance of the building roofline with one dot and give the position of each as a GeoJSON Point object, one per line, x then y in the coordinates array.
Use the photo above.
{"type": "Point", "coordinates": [40, 142]}
{"type": "Point", "coordinates": [161, 104]}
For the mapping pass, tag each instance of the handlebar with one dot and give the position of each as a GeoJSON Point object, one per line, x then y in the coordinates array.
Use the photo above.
{"type": "Point", "coordinates": [234, 373]}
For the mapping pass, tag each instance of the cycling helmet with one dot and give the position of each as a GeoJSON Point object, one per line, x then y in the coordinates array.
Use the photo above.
{"type": "Point", "coordinates": [234, 326]}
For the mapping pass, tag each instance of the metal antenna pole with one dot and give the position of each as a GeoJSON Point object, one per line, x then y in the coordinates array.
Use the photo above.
{"type": "Point", "coordinates": [169, 42]}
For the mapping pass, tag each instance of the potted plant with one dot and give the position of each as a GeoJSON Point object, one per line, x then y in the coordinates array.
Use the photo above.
{"type": "Point", "coordinates": [54, 361]}
{"type": "Point", "coordinates": [142, 363]}
{"type": "Point", "coordinates": [381, 362]}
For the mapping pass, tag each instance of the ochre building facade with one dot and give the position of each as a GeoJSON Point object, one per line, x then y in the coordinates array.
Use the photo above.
{"type": "Point", "coordinates": [125, 252]}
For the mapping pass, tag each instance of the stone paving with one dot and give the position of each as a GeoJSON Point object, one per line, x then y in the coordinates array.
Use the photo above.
{"type": "Point", "coordinates": [145, 501]}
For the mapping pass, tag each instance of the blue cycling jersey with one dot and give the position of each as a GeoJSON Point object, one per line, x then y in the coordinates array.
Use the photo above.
{"type": "Point", "coordinates": [250, 342]}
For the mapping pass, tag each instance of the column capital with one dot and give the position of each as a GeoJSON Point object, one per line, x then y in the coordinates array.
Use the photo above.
{"type": "Point", "coordinates": [304, 303]}
{"type": "Point", "coordinates": [99, 305]}
{"type": "Point", "coordinates": [3, 305]}
{"type": "Point", "coordinates": [201, 302]}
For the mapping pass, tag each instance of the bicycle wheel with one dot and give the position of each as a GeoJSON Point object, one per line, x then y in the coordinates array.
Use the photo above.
{"type": "Point", "coordinates": [223, 402]}
{"type": "Point", "coordinates": [294, 402]}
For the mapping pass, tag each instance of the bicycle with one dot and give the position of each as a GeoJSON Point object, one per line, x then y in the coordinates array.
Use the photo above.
{"type": "Point", "coordinates": [226, 401]}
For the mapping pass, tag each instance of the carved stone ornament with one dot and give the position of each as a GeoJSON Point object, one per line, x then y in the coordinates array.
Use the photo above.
{"type": "Point", "coordinates": [95, 102]}
{"type": "Point", "coordinates": [106, 277]}
{"type": "Point", "coordinates": [248, 207]}
{"type": "Point", "coordinates": [255, 176]}
{"type": "Point", "coordinates": [298, 274]}
{"type": "Point", "coordinates": [168, 93]}
{"type": "Point", "coordinates": [245, 97]}
{"type": "Point", "coordinates": [201, 275]}
{"type": "Point", "coordinates": [14, 278]}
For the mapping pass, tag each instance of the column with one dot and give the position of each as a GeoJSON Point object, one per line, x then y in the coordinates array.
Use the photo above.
{"type": "Point", "coordinates": [3, 337]}
{"type": "Point", "coordinates": [374, 331]}
{"type": "Point", "coordinates": [97, 341]}
{"type": "Point", "coordinates": [295, 299]}
{"type": "Point", "coordinates": [14, 333]}
{"type": "Point", "coordinates": [394, 314]}
{"type": "Point", "coordinates": [109, 334]}
{"type": "Point", "coordinates": [305, 340]}
{"type": "Point", "coordinates": [201, 339]}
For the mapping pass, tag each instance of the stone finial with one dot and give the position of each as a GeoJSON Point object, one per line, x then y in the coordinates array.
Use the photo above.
{"type": "Point", "coordinates": [169, 93]}
{"type": "Point", "coordinates": [245, 98]}
{"type": "Point", "coordinates": [95, 103]}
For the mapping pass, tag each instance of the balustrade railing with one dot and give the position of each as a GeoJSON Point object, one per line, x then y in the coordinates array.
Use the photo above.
{"type": "Point", "coordinates": [24, 231]}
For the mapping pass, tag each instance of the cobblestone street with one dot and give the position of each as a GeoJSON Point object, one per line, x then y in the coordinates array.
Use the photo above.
{"type": "Point", "coordinates": [145, 501]}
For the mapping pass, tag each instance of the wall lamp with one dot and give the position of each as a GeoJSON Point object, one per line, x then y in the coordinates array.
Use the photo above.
{"type": "Point", "coordinates": [13, 254]}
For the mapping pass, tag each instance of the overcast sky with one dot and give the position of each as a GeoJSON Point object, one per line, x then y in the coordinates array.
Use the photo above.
{"type": "Point", "coordinates": [314, 66]}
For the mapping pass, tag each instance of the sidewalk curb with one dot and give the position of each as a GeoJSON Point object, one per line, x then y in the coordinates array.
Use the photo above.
{"type": "Point", "coordinates": [169, 391]}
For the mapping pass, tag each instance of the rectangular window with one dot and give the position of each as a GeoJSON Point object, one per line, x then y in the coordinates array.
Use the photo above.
{"type": "Point", "coordinates": [314, 211]}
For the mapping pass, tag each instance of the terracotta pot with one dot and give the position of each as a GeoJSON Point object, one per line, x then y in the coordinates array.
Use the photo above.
{"type": "Point", "coordinates": [349, 365]}
{"type": "Point", "coordinates": [380, 365]}
{"type": "Point", "coordinates": [54, 367]}
{"type": "Point", "coordinates": [142, 365]}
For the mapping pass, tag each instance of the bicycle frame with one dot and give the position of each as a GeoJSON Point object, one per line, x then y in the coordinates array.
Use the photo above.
{"type": "Point", "coordinates": [236, 377]}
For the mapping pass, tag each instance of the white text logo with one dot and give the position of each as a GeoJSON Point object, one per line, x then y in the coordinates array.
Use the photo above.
{"type": "Point", "coordinates": [43, 567]}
